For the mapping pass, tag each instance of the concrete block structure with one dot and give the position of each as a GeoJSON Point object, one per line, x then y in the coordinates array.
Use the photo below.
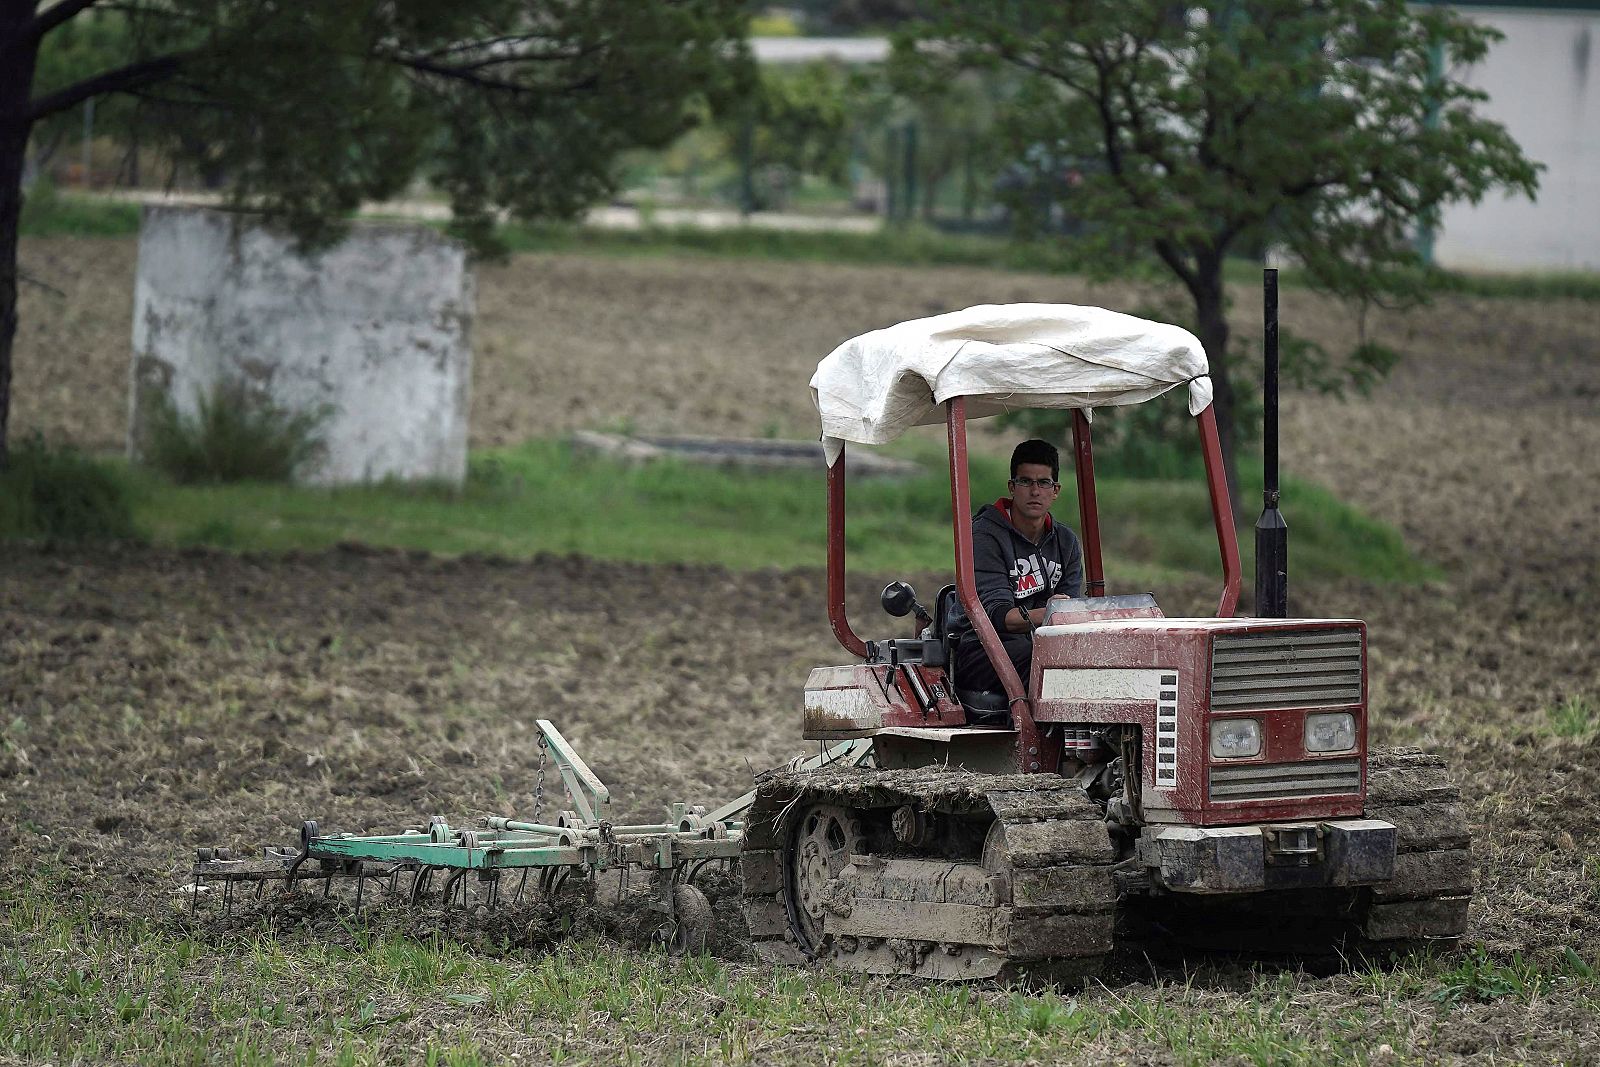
{"type": "Point", "coordinates": [375, 332]}
{"type": "Point", "coordinates": [1543, 82]}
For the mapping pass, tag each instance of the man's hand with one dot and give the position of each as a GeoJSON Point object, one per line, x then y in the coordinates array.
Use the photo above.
{"type": "Point", "coordinates": [1017, 623]}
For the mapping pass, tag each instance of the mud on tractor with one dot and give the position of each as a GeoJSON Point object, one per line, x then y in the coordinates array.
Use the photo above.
{"type": "Point", "coordinates": [1167, 779]}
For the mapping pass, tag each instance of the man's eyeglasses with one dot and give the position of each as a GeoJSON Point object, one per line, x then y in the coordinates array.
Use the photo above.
{"type": "Point", "coordinates": [1035, 483]}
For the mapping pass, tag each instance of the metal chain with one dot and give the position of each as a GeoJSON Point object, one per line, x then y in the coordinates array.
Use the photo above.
{"type": "Point", "coordinates": [538, 792]}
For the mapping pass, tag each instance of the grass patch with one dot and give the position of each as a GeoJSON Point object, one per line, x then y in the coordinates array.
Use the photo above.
{"type": "Point", "coordinates": [56, 493]}
{"type": "Point", "coordinates": [1534, 285]}
{"type": "Point", "coordinates": [231, 438]}
{"type": "Point", "coordinates": [148, 989]}
{"type": "Point", "coordinates": [909, 246]}
{"type": "Point", "coordinates": [49, 213]}
{"type": "Point", "coordinates": [541, 497]}
{"type": "Point", "coordinates": [921, 246]}
{"type": "Point", "coordinates": [1574, 717]}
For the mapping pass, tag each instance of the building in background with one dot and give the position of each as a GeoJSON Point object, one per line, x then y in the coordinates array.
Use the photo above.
{"type": "Point", "coordinates": [1543, 83]}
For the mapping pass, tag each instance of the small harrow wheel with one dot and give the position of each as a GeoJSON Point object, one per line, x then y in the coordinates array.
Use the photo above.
{"type": "Point", "coordinates": [824, 838]}
{"type": "Point", "coordinates": [692, 919]}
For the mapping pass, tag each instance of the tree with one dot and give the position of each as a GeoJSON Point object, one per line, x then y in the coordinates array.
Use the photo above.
{"type": "Point", "coordinates": [312, 107]}
{"type": "Point", "coordinates": [1332, 129]}
{"type": "Point", "coordinates": [796, 122]}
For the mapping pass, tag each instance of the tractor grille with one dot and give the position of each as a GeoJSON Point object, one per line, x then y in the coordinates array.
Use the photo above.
{"type": "Point", "coordinates": [1269, 781]}
{"type": "Point", "coordinates": [1309, 669]}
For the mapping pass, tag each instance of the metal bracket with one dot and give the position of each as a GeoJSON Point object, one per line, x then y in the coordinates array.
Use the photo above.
{"type": "Point", "coordinates": [589, 795]}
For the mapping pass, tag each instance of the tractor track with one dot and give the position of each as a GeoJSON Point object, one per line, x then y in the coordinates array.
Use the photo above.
{"type": "Point", "coordinates": [1050, 898]}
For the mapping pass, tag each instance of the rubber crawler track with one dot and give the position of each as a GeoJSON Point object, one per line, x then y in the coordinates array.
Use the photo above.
{"type": "Point", "coordinates": [1055, 903]}
{"type": "Point", "coordinates": [1433, 883]}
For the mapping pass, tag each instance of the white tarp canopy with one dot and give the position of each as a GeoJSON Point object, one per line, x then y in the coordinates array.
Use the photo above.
{"type": "Point", "coordinates": [1002, 357]}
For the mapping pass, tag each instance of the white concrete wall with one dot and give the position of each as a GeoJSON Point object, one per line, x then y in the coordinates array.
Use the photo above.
{"type": "Point", "coordinates": [1543, 82]}
{"type": "Point", "coordinates": [377, 330]}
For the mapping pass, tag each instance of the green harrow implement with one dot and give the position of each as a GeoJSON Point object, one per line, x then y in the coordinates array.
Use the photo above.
{"type": "Point", "coordinates": [570, 851]}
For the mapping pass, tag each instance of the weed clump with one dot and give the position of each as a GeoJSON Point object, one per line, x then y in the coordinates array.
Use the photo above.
{"type": "Point", "coordinates": [1574, 717]}
{"type": "Point", "coordinates": [231, 437]}
{"type": "Point", "coordinates": [56, 493]}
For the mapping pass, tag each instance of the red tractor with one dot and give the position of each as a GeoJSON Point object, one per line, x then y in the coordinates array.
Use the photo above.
{"type": "Point", "coordinates": [1158, 776]}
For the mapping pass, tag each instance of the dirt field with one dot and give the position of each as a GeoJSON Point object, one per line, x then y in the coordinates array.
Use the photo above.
{"type": "Point", "coordinates": [159, 700]}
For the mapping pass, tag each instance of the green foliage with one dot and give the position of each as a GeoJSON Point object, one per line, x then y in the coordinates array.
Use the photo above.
{"type": "Point", "coordinates": [58, 494]}
{"type": "Point", "coordinates": [1332, 130]}
{"type": "Point", "coordinates": [795, 122]}
{"type": "Point", "coordinates": [231, 437]}
{"type": "Point", "coordinates": [774, 24]}
{"type": "Point", "coordinates": [1326, 128]}
{"type": "Point", "coordinates": [93, 42]}
{"type": "Point", "coordinates": [1574, 717]}
{"type": "Point", "coordinates": [852, 16]}
{"type": "Point", "coordinates": [311, 109]}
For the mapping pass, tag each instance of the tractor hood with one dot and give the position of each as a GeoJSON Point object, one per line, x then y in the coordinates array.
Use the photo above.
{"type": "Point", "coordinates": [1002, 357]}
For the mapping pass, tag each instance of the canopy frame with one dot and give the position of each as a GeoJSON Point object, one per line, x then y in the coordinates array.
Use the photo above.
{"type": "Point", "coordinates": [1022, 710]}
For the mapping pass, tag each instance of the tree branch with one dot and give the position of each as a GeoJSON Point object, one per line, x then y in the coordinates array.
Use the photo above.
{"type": "Point", "coordinates": [53, 16]}
{"type": "Point", "coordinates": [122, 79]}
{"type": "Point", "coordinates": [471, 75]}
{"type": "Point", "coordinates": [504, 49]}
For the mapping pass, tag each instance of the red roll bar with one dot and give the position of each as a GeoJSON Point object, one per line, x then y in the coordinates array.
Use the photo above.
{"type": "Point", "coordinates": [967, 589]}
{"type": "Point", "coordinates": [966, 578]}
{"type": "Point", "coordinates": [966, 581]}
{"type": "Point", "coordinates": [1094, 583]}
{"type": "Point", "coordinates": [836, 617]}
{"type": "Point", "coordinates": [1221, 511]}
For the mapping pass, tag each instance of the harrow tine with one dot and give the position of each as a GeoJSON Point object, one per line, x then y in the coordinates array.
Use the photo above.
{"type": "Point", "coordinates": [294, 869]}
{"type": "Point", "coordinates": [450, 885]}
{"type": "Point", "coordinates": [360, 882]}
{"type": "Point", "coordinates": [521, 885]}
{"type": "Point", "coordinates": [419, 882]}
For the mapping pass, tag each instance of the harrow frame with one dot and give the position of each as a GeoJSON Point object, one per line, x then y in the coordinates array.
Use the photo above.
{"type": "Point", "coordinates": [580, 843]}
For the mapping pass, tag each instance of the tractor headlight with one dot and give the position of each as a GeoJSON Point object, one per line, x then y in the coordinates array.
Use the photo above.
{"type": "Point", "coordinates": [1235, 738]}
{"type": "Point", "coordinates": [1334, 732]}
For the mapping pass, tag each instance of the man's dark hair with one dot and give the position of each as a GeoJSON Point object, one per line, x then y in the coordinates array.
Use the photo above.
{"type": "Point", "coordinates": [1037, 451]}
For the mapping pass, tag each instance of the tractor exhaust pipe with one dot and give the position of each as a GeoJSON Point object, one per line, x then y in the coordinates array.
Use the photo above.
{"type": "Point", "coordinates": [1272, 533]}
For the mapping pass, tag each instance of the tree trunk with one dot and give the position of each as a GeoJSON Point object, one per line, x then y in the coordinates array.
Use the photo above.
{"type": "Point", "coordinates": [1211, 323]}
{"type": "Point", "coordinates": [16, 85]}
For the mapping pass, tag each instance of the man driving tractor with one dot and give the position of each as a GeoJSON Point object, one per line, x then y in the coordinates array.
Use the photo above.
{"type": "Point", "coordinates": [1021, 558]}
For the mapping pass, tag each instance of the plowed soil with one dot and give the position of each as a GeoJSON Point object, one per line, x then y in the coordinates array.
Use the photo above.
{"type": "Point", "coordinates": [157, 700]}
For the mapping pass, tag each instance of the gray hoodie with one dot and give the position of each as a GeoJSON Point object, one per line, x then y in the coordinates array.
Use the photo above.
{"type": "Point", "coordinates": [1013, 571]}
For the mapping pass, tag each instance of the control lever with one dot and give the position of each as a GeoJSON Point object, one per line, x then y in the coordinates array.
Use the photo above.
{"type": "Point", "coordinates": [900, 600]}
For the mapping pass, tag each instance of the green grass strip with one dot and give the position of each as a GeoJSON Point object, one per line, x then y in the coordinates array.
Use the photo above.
{"type": "Point", "coordinates": [541, 497]}
{"type": "Point", "coordinates": [144, 990]}
{"type": "Point", "coordinates": [51, 214]}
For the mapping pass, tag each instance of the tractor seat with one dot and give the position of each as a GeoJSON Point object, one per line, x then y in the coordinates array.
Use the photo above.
{"type": "Point", "coordinates": [982, 700]}
{"type": "Point", "coordinates": [985, 707]}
